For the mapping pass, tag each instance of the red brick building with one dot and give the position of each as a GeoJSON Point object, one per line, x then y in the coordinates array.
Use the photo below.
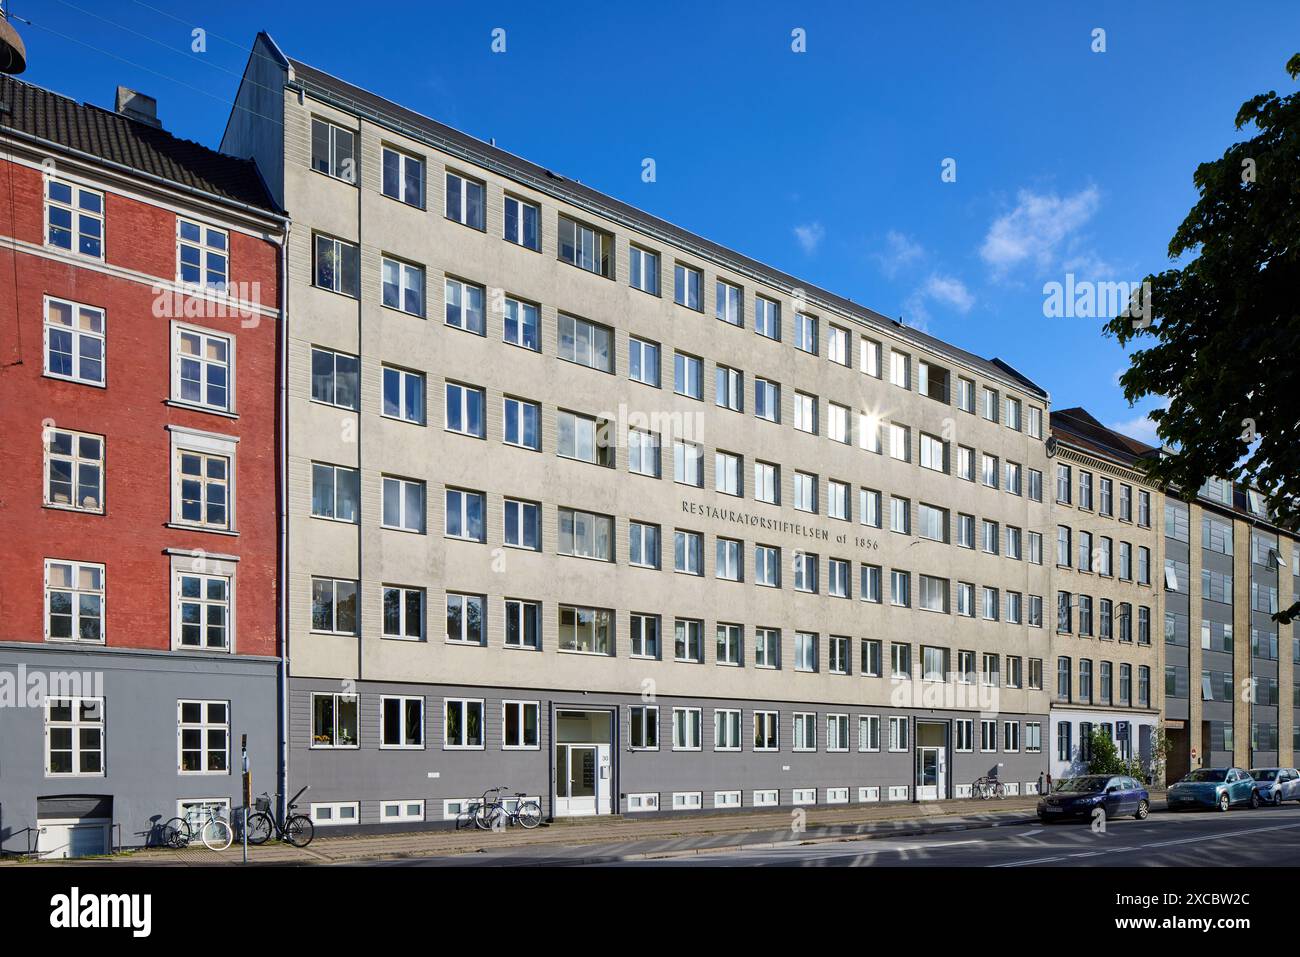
{"type": "Point", "coordinates": [140, 342]}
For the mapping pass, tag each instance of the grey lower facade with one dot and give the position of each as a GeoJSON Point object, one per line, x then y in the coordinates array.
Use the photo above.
{"type": "Point", "coordinates": [136, 745]}
{"type": "Point", "coordinates": [584, 761]}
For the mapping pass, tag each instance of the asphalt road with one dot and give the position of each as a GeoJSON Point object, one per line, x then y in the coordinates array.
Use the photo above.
{"type": "Point", "coordinates": [1264, 837]}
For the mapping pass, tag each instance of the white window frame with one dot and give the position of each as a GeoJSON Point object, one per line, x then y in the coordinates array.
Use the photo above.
{"type": "Point", "coordinates": [76, 334]}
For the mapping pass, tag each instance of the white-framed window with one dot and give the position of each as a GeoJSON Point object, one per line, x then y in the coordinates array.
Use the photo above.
{"type": "Point", "coordinates": [805, 572]}
{"type": "Point", "coordinates": [523, 524]}
{"type": "Point", "coordinates": [837, 732]}
{"type": "Point", "coordinates": [335, 813]}
{"type": "Point", "coordinates": [203, 737]}
{"type": "Point", "coordinates": [767, 400]}
{"type": "Point", "coordinates": [869, 507]}
{"type": "Point", "coordinates": [688, 287]}
{"type": "Point", "coordinates": [900, 369]}
{"type": "Point", "coordinates": [767, 566]}
{"type": "Point", "coordinates": [767, 648]}
{"type": "Point", "coordinates": [74, 218]}
{"type": "Point", "coordinates": [805, 412]}
{"type": "Point", "coordinates": [466, 618]}
{"type": "Point", "coordinates": [465, 200]}
{"type": "Point", "coordinates": [464, 412]}
{"type": "Point", "coordinates": [202, 605]}
{"type": "Point", "coordinates": [730, 303]}
{"type": "Point", "coordinates": [805, 651]}
{"type": "Point", "coordinates": [74, 470]}
{"type": "Point", "coordinates": [202, 255]}
{"type": "Point", "coordinates": [870, 583]}
{"type": "Point", "coordinates": [989, 403]}
{"type": "Point", "coordinates": [74, 737]}
{"type": "Point", "coordinates": [523, 624]}
{"type": "Point", "coordinates": [727, 473]}
{"type": "Point", "coordinates": [869, 357]}
{"type": "Point", "coordinates": [805, 492]}
{"type": "Point", "coordinates": [900, 515]}
{"type": "Point", "coordinates": [587, 631]}
{"type": "Point", "coordinates": [335, 720]}
{"type": "Point", "coordinates": [897, 733]}
{"type": "Point", "coordinates": [965, 395]}
{"type": "Point", "coordinates": [729, 388]}
{"type": "Point", "coordinates": [74, 341]}
{"type": "Point", "coordinates": [933, 593]}
{"type": "Point", "coordinates": [643, 269]}
{"type": "Point", "coordinates": [337, 265]}
{"type": "Point", "coordinates": [900, 442]}
{"type": "Point", "coordinates": [837, 423]}
{"type": "Point", "coordinates": [766, 798]}
{"type": "Point", "coordinates": [403, 504]}
{"type": "Point", "coordinates": [463, 308]}
{"type": "Point", "coordinates": [203, 479]}
{"type": "Point", "coordinates": [400, 812]}
{"type": "Point", "coordinates": [688, 640]}
{"type": "Point", "coordinates": [644, 635]}
{"type": "Point", "coordinates": [686, 731]}
{"type": "Point", "coordinates": [523, 223]}
{"type": "Point", "coordinates": [402, 284]}
{"type": "Point", "coordinates": [586, 247]}
{"type": "Point", "coordinates": [837, 578]}
{"type": "Point", "coordinates": [403, 609]}
{"type": "Point", "coordinates": [403, 177]}
{"type": "Point", "coordinates": [767, 317]}
{"type": "Point", "coordinates": [643, 361]}
{"type": "Point", "coordinates": [688, 552]}
{"type": "Point", "coordinates": [1011, 736]}
{"type": "Point", "coordinates": [403, 395]}
{"type": "Point", "coordinates": [688, 463]}
{"type": "Point", "coordinates": [966, 600]}
{"type": "Point", "coordinates": [1035, 422]}
{"type": "Point", "coordinates": [726, 730]}
{"type": "Point", "coordinates": [805, 333]}
{"type": "Point", "coordinates": [74, 601]}
{"type": "Point", "coordinates": [964, 735]}
{"type": "Point", "coordinates": [767, 730]}
{"type": "Point", "coordinates": [335, 377]}
{"type": "Point", "coordinates": [523, 423]}
{"type": "Point", "coordinates": [838, 344]}
{"type": "Point", "coordinates": [688, 375]}
{"type": "Point", "coordinates": [333, 150]}
{"type": "Point", "coordinates": [934, 453]}
{"type": "Point", "coordinates": [837, 499]}
{"type": "Point", "coordinates": [989, 470]}
{"type": "Point", "coordinates": [1013, 413]}
{"type": "Point", "coordinates": [767, 482]}
{"type": "Point", "coordinates": [688, 800]}
{"type": "Point", "coordinates": [868, 732]}
{"type": "Point", "coordinates": [730, 561]}
{"type": "Point", "coordinates": [333, 606]}
{"type": "Point", "coordinates": [726, 799]}
{"type": "Point", "coordinates": [585, 343]}
{"type": "Point", "coordinates": [586, 535]}
{"type": "Point", "coordinates": [643, 544]}
{"type": "Point", "coordinates": [463, 724]}
{"type": "Point", "coordinates": [520, 725]}
{"type": "Point", "coordinates": [642, 802]}
{"type": "Point", "coordinates": [584, 438]}
{"type": "Point", "coordinates": [643, 727]}
{"type": "Point", "coordinates": [805, 730]}
{"type": "Point", "coordinates": [335, 492]}
{"type": "Point", "coordinates": [203, 370]}
{"type": "Point", "coordinates": [522, 324]}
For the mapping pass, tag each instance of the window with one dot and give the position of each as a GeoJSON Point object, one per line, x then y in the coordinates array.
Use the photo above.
{"type": "Point", "coordinates": [401, 722]}
{"type": "Point", "coordinates": [805, 492]}
{"type": "Point", "coordinates": [336, 267]}
{"type": "Point", "coordinates": [335, 377]}
{"type": "Point", "coordinates": [989, 404]}
{"type": "Point", "coordinates": [837, 732]}
{"type": "Point", "coordinates": [688, 284]}
{"type": "Point", "coordinates": [688, 376]}
{"type": "Point", "coordinates": [1063, 484]}
{"type": "Point", "coordinates": [203, 612]}
{"type": "Point", "coordinates": [1085, 489]}
{"type": "Point", "coordinates": [523, 223]}
{"type": "Point", "coordinates": [766, 730]}
{"type": "Point", "coordinates": [726, 730]}
{"type": "Point", "coordinates": [688, 552]}
{"type": "Point", "coordinates": [643, 727]}
{"type": "Point", "coordinates": [403, 177]}
{"type": "Point", "coordinates": [586, 535]}
{"type": "Point", "coordinates": [989, 470]}
{"type": "Point", "coordinates": [333, 151]}
{"type": "Point", "coordinates": [404, 395]}
{"type": "Point", "coordinates": [805, 731]}
{"type": "Point", "coordinates": [589, 631]}
{"type": "Point", "coordinates": [586, 343]}
{"type": "Point", "coordinates": [805, 651]}
{"type": "Point", "coordinates": [463, 727]}
{"type": "Point", "coordinates": [767, 400]}
{"type": "Point", "coordinates": [74, 218]}
{"type": "Point", "coordinates": [1063, 681]}
{"type": "Point", "coordinates": [990, 537]}
{"type": "Point", "coordinates": [900, 515]}
{"type": "Point", "coordinates": [338, 812]}
{"type": "Point", "coordinates": [1013, 413]}
{"type": "Point", "coordinates": [643, 453]}
{"type": "Point", "coordinates": [1085, 551]}
{"type": "Point", "coordinates": [869, 357]}
{"type": "Point", "coordinates": [686, 729]}
{"type": "Point", "coordinates": [74, 470]}
{"type": "Point", "coordinates": [523, 423]}
{"type": "Point", "coordinates": [869, 507]}
{"type": "Point", "coordinates": [837, 654]}
{"type": "Point", "coordinates": [898, 733]}
{"type": "Point", "coordinates": [519, 725]}
{"type": "Point", "coordinates": [1125, 503]}
{"type": "Point", "coordinates": [805, 412]}
{"type": "Point", "coordinates": [74, 601]}
{"type": "Point", "coordinates": [643, 361]}
{"type": "Point", "coordinates": [464, 306]}
{"type": "Point", "coordinates": [805, 572]}
{"type": "Point", "coordinates": [767, 482]}
{"type": "Point", "coordinates": [584, 438]}
{"type": "Point", "coordinates": [767, 566]}
{"type": "Point", "coordinates": [988, 735]}
{"type": "Point", "coordinates": [1105, 508]}
{"type": "Point", "coordinates": [1035, 426]}
{"type": "Point", "coordinates": [334, 721]}
{"type": "Point", "coordinates": [1085, 615]}
{"type": "Point", "coordinates": [203, 737]}
{"type": "Point", "coordinates": [900, 660]}
{"type": "Point", "coordinates": [1012, 484]}
{"type": "Point", "coordinates": [1144, 508]}
{"type": "Point", "coordinates": [403, 610]}
{"type": "Point", "coordinates": [934, 663]}
{"type": "Point", "coordinates": [523, 624]}
{"type": "Point", "coordinates": [1125, 561]}
{"type": "Point", "coordinates": [837, 499]}
{"type": "Point", "coordinates": [403, 288]}
{"type": "Point", "coordinates": [202, 483]}
{"type": "Point", "coordinates": [966, 599]}
{"type": "Point", "coordinates": [900, 369]}
{"type": "Point", "coordinates": [868, 732]}
{"type": "Point", "coordinates": [643, 544]}
{"type": "Point", "coordinates": [1035, 485]}
{"type": "Point", "coordinates": [838, 340]}
{"type": "Point", "coordinates": [522, 325]}
{"type": "Point", "coordinates": [404, 507]}
{"type": "Point", "coordinates": [871, 657]}
{"type": "Point", "coordinates": [934, 453]}
{"type": "Point", "coordinates": [74, 736]}
{"type": "Point", "coordinates": [393, 812]}
{"type": "Point", "coordinates": [965, 463]}
{"type": "Point", "coordinates": [1104, 556]}
{"type": "Point", "coordinates": [688, 463]}
{"type": "Point", "coordinates": [730, 303]}
{"type": "Point", "coordinates": [965, 735]}
{"type": "Point", "coordinates": [989, 603]}
{"type": "Point", "coordinates": [334, 606]}
{"type": "Point", "coordinates": [900, 442]}
{"type": "Point", "coordinates": [729, 564]}
{"type": "Point", "coordinates": [74, 344]}
{"type": "Point", "coordinates": [1011, 736]}
{"type": "Point", "coordinates": [1064, 548]}
{"type": "Point", "coordinates": [1035, 674]}
{"type": "Point", "coordinates": [767, 317]}
{"type": "Point", "coordinates": [869, 578]}
{"type": "Point", "coordinates": [805, 332]}
{"type": "Point", "coordinates": [965, 531]}
{"type": "Point", "coordinates": [465, 201]}
{"type": "Point", "coordinates": [335, 492]}
{"type": "Point", "coordinates": [966, 395]}
{"type": "Point", "coordinates": [1013, 542]}
{"type": "Point", "coordinates": [932, 381]}
{"type": "Point", "coordinates": [523, 524]}
{"type": "Point", "coordinates": [586, 247]}
{"type": "Point", "coordinates": [729, 388]}
{"type": "Point", "coordinates": [767, 648]}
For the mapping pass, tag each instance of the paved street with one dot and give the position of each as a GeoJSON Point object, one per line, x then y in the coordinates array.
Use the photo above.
{"type": "Point", "coordinates": [1268, 836]}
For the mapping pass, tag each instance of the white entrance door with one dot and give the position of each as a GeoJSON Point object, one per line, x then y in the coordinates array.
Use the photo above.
{"type": "Point", "coordinates": [930, 774]}
{"type": "Point", "coordinates": [79, 838]}
{"type": "Point", "coordinates": [582, 780]}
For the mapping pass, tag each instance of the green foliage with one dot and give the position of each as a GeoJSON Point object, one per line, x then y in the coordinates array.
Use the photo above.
{"type": "Point", "coordinates": [1223, 342]}
{"type": "Point", "coordinates": [1105, 756]}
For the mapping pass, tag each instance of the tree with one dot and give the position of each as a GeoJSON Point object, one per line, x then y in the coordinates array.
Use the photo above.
{"type": "Point", "coordinates": [1220, 334]}
{"type": "Point", "coordinates": [1103, 755]}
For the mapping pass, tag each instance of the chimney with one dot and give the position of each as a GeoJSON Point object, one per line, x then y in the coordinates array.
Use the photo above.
{"type": "Point", "coordinates": [138, 107]}
{"type": "Point", "coordinates": [13, 55]}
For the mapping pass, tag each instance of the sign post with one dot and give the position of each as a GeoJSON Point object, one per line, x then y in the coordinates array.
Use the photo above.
{"type": "Point", "coordinates": [248, 791]}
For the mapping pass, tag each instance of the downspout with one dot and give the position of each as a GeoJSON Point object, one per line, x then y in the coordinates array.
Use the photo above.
{"type": "Point", "coordinates": [282, 460]}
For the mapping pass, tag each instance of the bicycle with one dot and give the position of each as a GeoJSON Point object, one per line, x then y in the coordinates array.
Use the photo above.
{"type": "Point", "coordinates": [987, 787]}
{"type": "Point", "coordinates": [297, 830]}
{"type": "Point", "coordinates": [215, 833]}
{"type": "Point", "coordinates": [492, 815]}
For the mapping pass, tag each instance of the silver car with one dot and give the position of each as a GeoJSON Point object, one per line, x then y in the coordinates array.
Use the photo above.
{"type": "Point", "coordinates": [1275, 785]}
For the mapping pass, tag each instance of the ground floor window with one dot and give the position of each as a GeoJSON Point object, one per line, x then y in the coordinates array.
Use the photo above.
{"type": "Point", "coordinates": [688, 800]}
{"type": "Point", "coordinates": [519, 720]}
{"type": "Point", "coordinates": [643, 724]}
{"type": "Point", "coordinates": [765, 730]}
{"type": "Point", "coordinates": [335, 723]}
{"type": "Point", "coordinates": [74, 736]}
{"type": "Point", "coordinates": [403, 722]}
{"type": "Point", "coordinates": [336, 812]}
{"type": "Point", "coordinates": [723, 799]}
{"type": "Point", "coordinates": [392, 812]}
{"type": "Point", "coordinates": [464, 723]}
{"type": "Point", "coordinates": [868, 732]}
{"type": "Point", "coordinates": [897, 734]}
{"type": "Point", "coordinates": [965, 733]}
{"type": "Point", "coordinates": [766, 798]}
{"type": "Point", "coordinates": [642, 802]}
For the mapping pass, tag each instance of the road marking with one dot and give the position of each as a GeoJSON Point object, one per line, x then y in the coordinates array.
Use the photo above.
{"type": "Point", "coordinates": [1200, 839]}
{"type": "Point", "coordinates": [1037, 830]}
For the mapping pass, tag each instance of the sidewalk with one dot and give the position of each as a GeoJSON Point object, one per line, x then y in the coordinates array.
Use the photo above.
{"type": "Point", "coordinates": [636, 838]}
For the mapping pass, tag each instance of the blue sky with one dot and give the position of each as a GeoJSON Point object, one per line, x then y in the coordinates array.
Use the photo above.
{"type": "Point", "coordinates": [825, 163]}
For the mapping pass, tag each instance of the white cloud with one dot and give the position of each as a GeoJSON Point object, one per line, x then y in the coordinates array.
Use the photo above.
{"type": "Point", "coordinates": [949, 290]}
{"type": "Point", "coordinates": [810, 236]}
{"type": "Point", "coordinates": [901, 251]}
{"type": "Point", "coordinates": [1141, 427]}
{"type": "Point", "coordinates": [1036, 228]}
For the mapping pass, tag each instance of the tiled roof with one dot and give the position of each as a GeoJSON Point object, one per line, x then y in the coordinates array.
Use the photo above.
{"type": "Point", "coordinates": [39, 112]}
{"type": "Point", "coordinates": [419, 126]}
{"type": "Point", "coordinates": [1077, 427]}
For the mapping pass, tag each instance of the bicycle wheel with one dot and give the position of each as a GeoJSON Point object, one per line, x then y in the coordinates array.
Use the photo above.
{"type": "Point", "coordinates": [1000, 790]}
{"type": "Point", "coordinates": [217, 834]}
{"type": "Point", "coordinates": [299, 831]}
{"type": "Point", "coordinates": [260, 828]}
{"type": "Point", "coordinates": [485, 816]}
{"type": "Point", "coordinates": [174, 834]}
{"type": "Point", "coordinates": [530, 814]}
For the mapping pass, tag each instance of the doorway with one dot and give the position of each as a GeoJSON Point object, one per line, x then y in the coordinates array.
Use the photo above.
{"type": "Point", "coordinates": [583, 770]}
{"type": "Point", "coordinates": [931, 761]}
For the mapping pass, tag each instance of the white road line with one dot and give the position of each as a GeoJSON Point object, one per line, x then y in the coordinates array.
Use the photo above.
{"type": "Point", "coordinates": [1200, 839]}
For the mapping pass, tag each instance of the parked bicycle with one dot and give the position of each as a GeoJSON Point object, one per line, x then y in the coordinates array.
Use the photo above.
{"type": "Point", "coordinates": [297, 829]}
{"type": "Point", "coordinates": [491, 815]}
{"type": "Point", "coordinates": [987, 787]}
{"type": "Point", "coordinates": [201, 823]}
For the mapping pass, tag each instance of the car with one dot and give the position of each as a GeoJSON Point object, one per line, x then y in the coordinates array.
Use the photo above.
{"type": "Point", "coordinates": [1092, 796]}
{"type": "Point", "coordinates": [1275, 785]}
{"type": "Point", "coordinates": [1218, 788]}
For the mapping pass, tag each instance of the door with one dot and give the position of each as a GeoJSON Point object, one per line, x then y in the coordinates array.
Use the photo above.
{"type": "Point", "coordinates": [929, 774]}
{"type": "Point", "coordinates": [575, 779]}
{"type": "Point", "coordinates": [81, 838]}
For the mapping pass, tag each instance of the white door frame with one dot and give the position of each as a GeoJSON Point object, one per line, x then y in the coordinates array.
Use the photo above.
{"type": "Point", "coordinates": [601, 801]}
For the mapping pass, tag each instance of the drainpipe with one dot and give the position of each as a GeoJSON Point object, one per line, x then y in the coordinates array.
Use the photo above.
{"type": "Point", "coordinates": [282, 459]}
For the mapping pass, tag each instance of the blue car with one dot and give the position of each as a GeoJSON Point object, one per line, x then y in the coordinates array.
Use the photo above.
{"type": "Point", "coordinates": [1217, 788]}
{"type": "Point", "coordinates": [1092, 796]}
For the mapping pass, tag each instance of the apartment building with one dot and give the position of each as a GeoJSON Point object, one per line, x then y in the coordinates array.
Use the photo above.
{"type": "Point", "coordinates": [1106, 547]}
{"type": "Point", "coordinates": [585, 504]}
{"type": "Point", "coordinates": [1231, 691]}
{"type": "Point", "coordinates": [139, 319]}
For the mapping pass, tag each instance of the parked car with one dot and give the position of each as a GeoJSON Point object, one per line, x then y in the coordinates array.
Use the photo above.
{"type": "Point", "coordinates": [1275, 785]}
{"type": "Point", "coordinates": [1081, 797]}
{"type": "Point", "coordinates": [1213, 788]}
